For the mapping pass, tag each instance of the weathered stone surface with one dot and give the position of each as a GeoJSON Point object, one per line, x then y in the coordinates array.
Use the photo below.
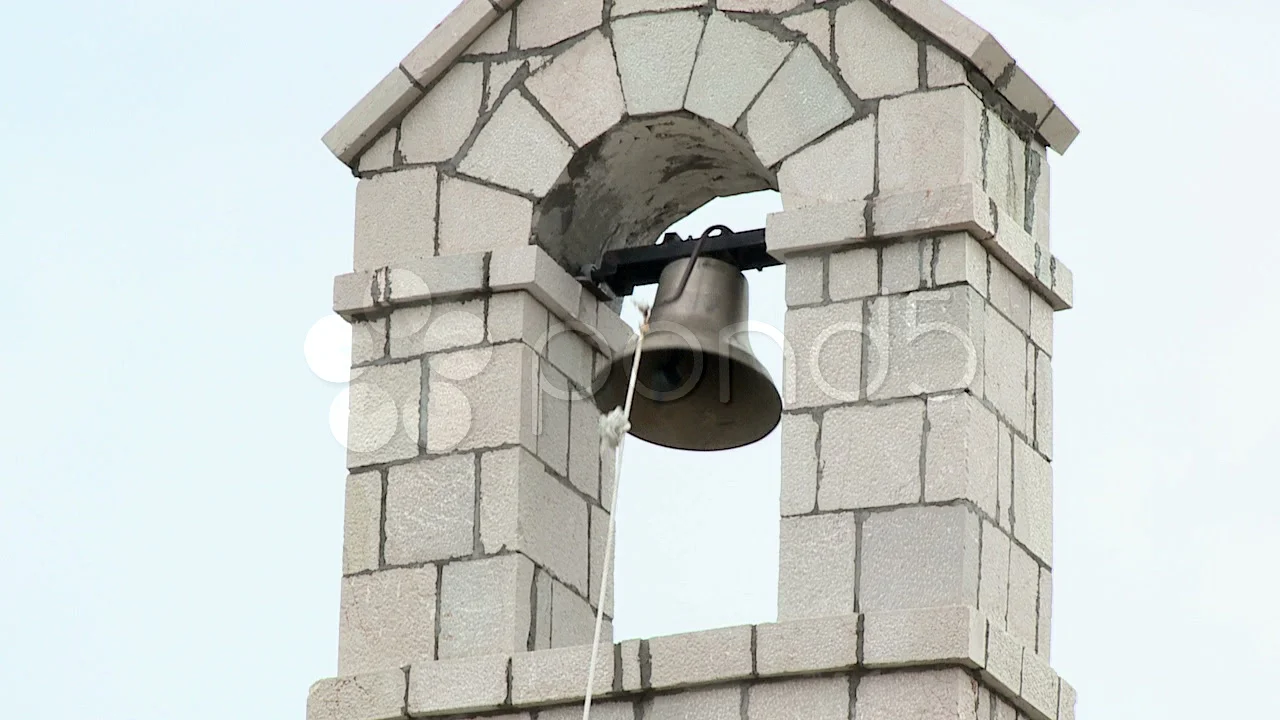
{"type": "Point", "coordinates": [395, 218]}
{"type": "Point", "coordinates": [518, 149]}
{"type": "Point", "coordinates": [701, 657]}
{"type": "Point", "coordinates": [925, 342]}
{"type": "Point", "coordinates": [810, 698]}
{"type": "Point", "coordinates": [581, 90]}
{"type": "Point", "coordinates": [799, 104]}
{"type": "Point", "coordinates": [1058, 130]}
{"type": "Point", "coordinates": [436, 327]}
{"type": "Point", "coordinates": [381, 154]}
{"type": "Point", "coordinates": [507, 219]}
{"type": "Point", "coordinates": [524, 508]}
{"type": "Point", "coordinates": [368, 341]}
{"type": "Point", "coordinates": [799, 464]}
{"type": "Point", "coordinates": [481, 398]}
{"type": "Point", "coordinates": [925, 694]}
{"type": "Point", "coordinates": [458, 685]}
{"type": "Point", "coordinates": [942, 69]}
{"type": "Point", "coordinates": [816, 26]}
{"type": "Point", "coordinates": [631, 7]}
{"type": "Point", "coordinates": [819, 227]}
{"type": "Point", "coordinates": [720, 703]}
{"type": "Point", "coordinates": [1004, 477]}
{"type": "Point", "coordinates": [763, 6]}
{"type": "Point", "coordinates": [1039, 685]}
{"type": "Point", "coordinates": [734, 62]}
{"type": "Point", "coordinates": [599, 711]}
{"type": "Point", "coordinates": [540, 23]}
{"type": "Point", "coordinates": [876, 57]}
{"type": "Point", "coordinates": [430, 509]}
{"type": "Point", "coordinates": [854, 274]}
{"type": "Point", "coordinates": [353, 133]}
{"type": "Point", "coordinates": [925, 636]}
{"type": "Point", "coordinates": [840, 168]}
{"type": "Point", "coordinates": [807, 645]}
{"type": "Point", "coordinates": [1024, 589]}
{"type": "Point", "coordinates": [599, 536]}
{"type": "Point", "coordinates": [458, 30]}
{"type": "Point", "coordinates": [1004, 662]}
{"type": "Point", "coordinates": [959, 32]}
{"type": "Point", "coordinates": [496, 39]}
{"type": "Point", "coordinates": [957, 258]}
{"type": "Point", "coordinates": [516, 316]}
{"type": "Point", "coordinates": [993, 586]}
{"type": "Point", "coordinates": [434, 278]}
{"type": "Point", "coordinates": [383, 416]}
{"type": "Point", "coordinates": [558, 675]}
{"type": "Point", "coordinates": [362, 524]}
{"type": "Point", "coordinates": [919, 557]}
{"type": "Point", "coordinates": [373, 696]}
{"type": "Point", "coordinates": [1044, 405]}
{"type": "Point", "coordinates": [959, 208]}
{"type": "Point", "coordinates": [1005, 368]}
{"type": "Point", "coordinates": [871, 455]}
{"type": "Point", "coordinates": [826, 343]}
{"type": "Point", "coordinates": [1011, 296]}
{"type": "Point", "coordinates": [805, 280]}
{"type": "Point", "coordinates": [902, 267]}
{"type": "Point", "coordinates": [1041, 330]}
{"type": "Point", "coordinates": [1045, 615]}
{"type": "Point", "coordinates": [436, 127]}
{"type": "Point", "coordinates": [655, 55]}
{"type": "Point", "coordinates": [1032, 501]}
{"type": "Point", "coordinates": [817, 565]}
{"type": "Point", "coordinates": [573, 621]}
{"type": "Point", "coordinates": [960, 460]}
{"type": "Point", "coordinates": [484, 606]}
{"type": "Point", "coordinates": [930, 140]}
{"type": "Point", "coordinates": [1006, 169]}
{"type": "Point", "coordinates": [388, 619]}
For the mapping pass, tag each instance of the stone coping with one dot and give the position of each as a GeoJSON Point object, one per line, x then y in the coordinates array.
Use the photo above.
{"type": "Point", "coordinates": [405, 84]}
{"type": "Point", "coordinates": [888, 640]}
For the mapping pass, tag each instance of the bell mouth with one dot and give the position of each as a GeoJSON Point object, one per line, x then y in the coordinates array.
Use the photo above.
{"type": "Point", "coordinates": [693, 400]}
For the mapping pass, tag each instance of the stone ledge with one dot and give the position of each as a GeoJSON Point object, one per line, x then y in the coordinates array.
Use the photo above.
{"type": "Point", "coordinates": [362, 294]}
{"type": "Point", "coordinates": [960, 208]}
{"type": "Point", "coordinates": [881, 641]}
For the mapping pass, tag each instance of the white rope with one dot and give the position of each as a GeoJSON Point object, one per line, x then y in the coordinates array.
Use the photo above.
{"type": "Point", "coordinates": [613, 431]}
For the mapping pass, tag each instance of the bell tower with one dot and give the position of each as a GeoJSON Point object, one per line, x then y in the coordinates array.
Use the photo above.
{"type": "Point", "coordinates": [523, 141]}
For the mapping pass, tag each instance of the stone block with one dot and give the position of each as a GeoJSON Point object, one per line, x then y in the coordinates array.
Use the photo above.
{"type": "Point", "coordinates": [440, 326]}
{"type": "Point", "coordinates": [581, 89]}
{"type": "Point", "coordinates": [734, 62]}
{"type": "Point", "coordinates": [957, 258]}
{"type": "Point", "coordinates": [1063, 284]}
{"type": "Point", "coordinates": [1011, 296]}
{"type": "Point", "coordinates": [1045, 616]}
{"type": "Point", "coordinates": [452, 36]}
{"type": "Point", "coordinates": [516, 316]}
{"type": "Point", "coordinates": [1024, 591]}
{"type": "Point", "coordinates": [624, 710]}
{"type": "Point", "coordinates": [518, 149]}
{"type": "Point", "coordinates": [541, 23]}
{"type": "Point", "coordinates": [826, 354]}
{"type": "Point", "coordinates": [1044, 405]}
{"type": "Point", "coordinates": [924, 636]}
{"type": "Point", "coordinates": [803, 646]}
{"type": "Point", "coordinates": [820, 227]}
{"type": "Point", "coordinates": [959, 208]}
{"type": "Point", "coordinates": [1004, 662]}
{"type": "Point", "coordinates": [496, 39]}
{"type": "Point", "coordinates": [1041, 329]}
{"type": "Point", "coordinates": [958, 32]}
{"type": "Point", "coordinates": [720, 703]}
{"type": "Point", "coordinates": [800, 104]}
{"type": "Point", "coordinates": [1004, 477]}
{"type": "Point", "coordinates": [701, 657]}
{"type": "Point", "coordinates": [363, 522]}
{"type": "Point", "coordinates": [599, 535]}
{"type": "Point", "coordinates": [434, 278]}
{"type": "Point", "coordinates": [395, 218]}
{"type": "Point", "coordinates": [471, 684]}
{"type": "Point", "coordinates": [806, 280]}
{"type": "Point", "coordinates": [569, 353]}
{"type": "Point", "coordinates": [388, 619]}
{"type": "Point", "coordinates": [573, 621]}
{"type": "Point", "coordinates": [993, 585]}
{"type": "Point", "coordinates": [532, 269]}
{"type": "Point", "coordinates": [476, 218]}
{"type": "Point", "coordinates": [656, 54]}
{"type": "Point", "coordinates": [481, 398]}
{"type": "Point", "coordinates": [919, 557]}
{"type": "Point", "coordinates": [584, 447]}
{"type": "Point", "coordinates": [809, 698]}
{"type": "Point", "coordinates": [373, 696]}
{"type": "Point", "coordinates": [839, 168]}
{"type": "Point", "coordinates": [1038, 188]}
{"type": "Point", "coordinates": [1005, 368]}
{"type": "Point", "coordinates": [484, 607]}
{"type": "Point", "coordinates": [368, 341]}
{"type": "Point", "coordinates": [902, 267]}
{"type": "Point", "coordinates": [381, 154]}
{"type": "Point", "coordinates": [1003, 710]}
{"type": "Point", "coordinates": [553, 418]}
{"type": "Point", "coordinates": [431, 510]}
{"type": "Point", "coordinates": [876, 57]}
{"type": "Point", "coordinates": [817, 565]}
{"type": "Point", "coordinates": [930, 140]}
{"type": "Point", "coordinates": [799, 464]}
{"type": "Point", "coordinates": [550, 676]}
{"type": "Point", "coordinates": [923, 694]}
{"type": "Point", "coordinates": [542, 590]}
{"type": "Point", "coordinates": [925, 342]}
{"type": "Point", "coordinates": [383, 415]}
{"type": "Point", "coordinates": [1006, 169]}
{"type": "Point", "coordinates": [523, 508]}
{"type": "Point", "coordinates": [386, 101]}
{"type": "Point", "coordinates": [960, 452]}
{"type": "Point", "coordinates": [759, 6]}
{"type": "Point", "coordinates": [854, 274]}
{"type": "Point", "coordinates": [1039, 686]}
{"type": "Point", "coordinates": [1058, 130]}
{"type": "Point", "coordinates": [816, 26]}
{"type": "Point", "coordinates": [353, 293]}
{"type": "Point", "coordinates": [871, 454]}
{"type": "Point", "coordinates": [943, 70]}
{"type": "Point", "coordinates": [1032, 501]}
{"type": "Point", "coordinates": [1066, 701]}
{"type": "Point", "coordinates": [435, 129]}
{"type": "Point", "coordinates": [631, 670]}
{"type": "Point", "coordinates": [631, 7]}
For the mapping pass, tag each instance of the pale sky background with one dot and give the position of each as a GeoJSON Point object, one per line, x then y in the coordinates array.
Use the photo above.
{"type": "Point", "coordinates": [171, 494]}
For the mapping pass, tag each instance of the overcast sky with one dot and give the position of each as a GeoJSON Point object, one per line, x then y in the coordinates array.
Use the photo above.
{"type": "Point", "coordinates": [171, 493]}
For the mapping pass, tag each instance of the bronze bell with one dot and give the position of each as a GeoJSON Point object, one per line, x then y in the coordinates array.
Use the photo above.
{"type": "Point", "coordinates": [698, 387]}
